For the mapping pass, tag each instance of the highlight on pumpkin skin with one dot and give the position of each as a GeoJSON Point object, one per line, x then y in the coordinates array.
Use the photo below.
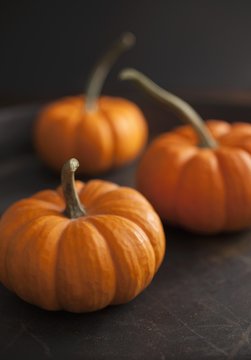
{"type": "Point", "coordinates": [175, 104]}
{"type": "Point", "coordinates": [103, 132]}
{"type": "Point", "coordinates": [85, 263]}
{"type": "Point", "coordinates": [103, 67]}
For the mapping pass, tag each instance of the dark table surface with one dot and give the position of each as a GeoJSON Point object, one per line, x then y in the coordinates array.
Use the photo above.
{"type": "Point", "coordinates": [197, 307]}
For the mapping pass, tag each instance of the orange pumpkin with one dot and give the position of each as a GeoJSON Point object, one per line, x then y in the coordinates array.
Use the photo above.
{"type": "Point", "coordinates": [101, 131]}
{"type": "Point", "coordinates": [197, 176]}
{"type": "Point", "coordinates": [80, 250]}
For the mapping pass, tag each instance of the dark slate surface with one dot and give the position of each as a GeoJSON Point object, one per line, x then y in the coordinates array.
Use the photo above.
{"type": "Point", "coordinates": [197, 307]}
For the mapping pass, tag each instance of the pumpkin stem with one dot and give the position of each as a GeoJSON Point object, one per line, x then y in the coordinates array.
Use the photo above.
{"type": "Point", "coordinates": [178, 106]}
{"type": "Point", "coordinates": [74, 208]}
{"type": "Point", "coordinates": [102, 68]}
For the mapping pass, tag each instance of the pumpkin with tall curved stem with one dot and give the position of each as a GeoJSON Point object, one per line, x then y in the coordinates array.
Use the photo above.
{"type": "Point", "coordinates": [101, 131]}
{"type": "Point", "coordinates": [197, 176]}
{"type": "Point", "coordinates": [81, 247]}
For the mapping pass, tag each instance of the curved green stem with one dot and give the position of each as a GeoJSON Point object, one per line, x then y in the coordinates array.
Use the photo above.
{"type": "Point", "coordinates": [102, 68]}
{"type": "Point", "coordinates": [178, 106]}
{"type": "Point", "coordinates": [74, 208]}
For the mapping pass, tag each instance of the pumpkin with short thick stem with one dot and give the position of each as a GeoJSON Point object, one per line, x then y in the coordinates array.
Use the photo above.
{"type": "Point", "coordinates": [81, 247]}
{"type": "Point", "coordinates": [101, 131]}
{"type": "Point", "coordinates": [197, 176]}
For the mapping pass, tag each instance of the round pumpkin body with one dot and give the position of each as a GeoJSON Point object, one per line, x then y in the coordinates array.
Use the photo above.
{"type": "Point", "coordinates": [109, 136]}
{"type": "Point", "coordinates": [106, 257]}
{"type": "Point", "coordinates": [202, 189]}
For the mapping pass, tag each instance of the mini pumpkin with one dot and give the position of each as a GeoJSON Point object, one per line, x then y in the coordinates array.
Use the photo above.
{"type": "Point", "coordinates": [101, 131]}
{"type": "Point", "coordinates": [81, 247]}
{"type": "Point", "coordinates": [197, 176]}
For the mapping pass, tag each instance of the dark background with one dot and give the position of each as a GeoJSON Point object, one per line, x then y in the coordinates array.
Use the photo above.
{"type": "Point", "coordinates": [48, 47]}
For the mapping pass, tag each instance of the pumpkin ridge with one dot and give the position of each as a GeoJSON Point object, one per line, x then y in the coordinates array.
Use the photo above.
{"type": "Point", "coordinates": [49, 123]}
{"type": "Point", "coordinates": [211, 126]}
{"type": "Point", "coordinates": [7, 251]}
{"type": "Point", "coordinates": [166, 145]}
{"type": "Point", "coordinates": [115, 260]}
{"type": "Point", "coordinates": [119, 188]}
{"type": "Point", "coordinates": [124, 217]}
{"type": "Point", "coordinates": [148, 237]}
{"type": "Point", "coordinates": [93, 141]}
{"type": "Point", "coordinates": [221, 172]}
{"type": "Point", "coordinates": [51, 197]}
{"type": "Point", "coordinates": [184, 136]}
{"type": "Point", "coordinates": [135, 223]}
{"type": "Point", "coordinates": [18, 230]}
{"type": "Point", "coordinates": [101, 182]}
{"type": "Point", "coordinates": [56, 263]}
{"type": "Point", "coordinates": [99, 198]}
{"type": "Point", "coordinates": [110, 253]}
{"type": "Point", "coordinates": [213, 191]}
{"type": "Point", "coordinates": [178, 181]}
{"type": "Point", "coordinates": [240, 145]}
{"type": "Point", "coordinates": [14, 237]}
{"type": "Point", "coordinates": [219, 167]}
{"type": "Point", "coordinates": [53, 207]}
{"type": "Point", "coordinates": [96, 299]}
{"type": "Point", "coordinates": [88, 219]}
{"type": "Point", "coordinates": [31, 239]}
{"type": "Point", "coordinates": [115, 127]}
{"type": "Point", "coordinates": [213, 123]}
{"type": "Point", "coordinates": [224, 173]}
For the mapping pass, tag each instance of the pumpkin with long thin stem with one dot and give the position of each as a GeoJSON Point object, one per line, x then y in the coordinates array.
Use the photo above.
{"type": "Point", "coordinates": [198, 175]}
{"type": "Point", "coordinates": [101, 131]}
{"type": "Point", "coordinates": [81, 247]}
